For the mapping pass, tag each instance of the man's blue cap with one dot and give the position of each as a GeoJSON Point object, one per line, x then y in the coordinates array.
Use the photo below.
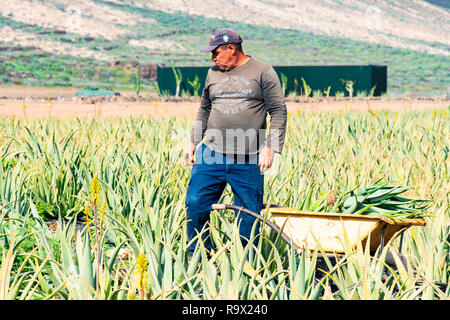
{"type": "Point", "coordinates": [220, 37]}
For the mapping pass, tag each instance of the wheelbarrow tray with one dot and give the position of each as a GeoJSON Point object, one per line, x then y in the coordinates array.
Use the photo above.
{"type": "Point", "coordinates": [334, 232]}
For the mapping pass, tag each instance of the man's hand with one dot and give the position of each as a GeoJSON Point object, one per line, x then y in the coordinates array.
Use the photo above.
{"type": "Point", "coordinates": [265, 158]}
{"type": "Point", "coordinates": [188, 154]}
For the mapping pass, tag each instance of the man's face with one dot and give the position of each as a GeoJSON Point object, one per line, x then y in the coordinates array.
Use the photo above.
{"type": "Point", "coordinates": [223, 57]}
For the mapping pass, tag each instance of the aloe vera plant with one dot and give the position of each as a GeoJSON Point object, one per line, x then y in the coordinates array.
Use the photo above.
{"type": "Point", "coordinates": [382, 199]}
{"type": "Point", "coordinates": [47, 170]}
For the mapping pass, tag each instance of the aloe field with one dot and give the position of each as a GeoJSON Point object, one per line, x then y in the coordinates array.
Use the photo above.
{"type": "Point", "coordinates": [93, 208]}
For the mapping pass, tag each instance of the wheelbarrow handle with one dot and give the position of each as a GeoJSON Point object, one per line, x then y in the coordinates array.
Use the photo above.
{"type": "Point", "coordinates": [218, 206]}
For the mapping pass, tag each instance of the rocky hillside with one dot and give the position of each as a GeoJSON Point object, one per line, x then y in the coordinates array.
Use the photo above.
{"type": "Point", "coordinates": [417, 25]}
{"type": "Point", "coordinates": [104, 38]}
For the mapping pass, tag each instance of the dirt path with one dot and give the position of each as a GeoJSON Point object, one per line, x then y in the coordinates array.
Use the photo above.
{"type": "Point", "coordinates": [61, 103]}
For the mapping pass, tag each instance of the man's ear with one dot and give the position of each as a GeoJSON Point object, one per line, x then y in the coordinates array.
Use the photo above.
{"type": "Point", "coordinates": [232, 48]}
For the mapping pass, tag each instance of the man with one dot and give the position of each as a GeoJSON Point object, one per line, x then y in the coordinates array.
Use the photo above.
{"type": "Point", "coordinates": [239, 93]}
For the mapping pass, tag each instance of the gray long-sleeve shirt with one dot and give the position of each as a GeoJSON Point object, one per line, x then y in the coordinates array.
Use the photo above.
{"type": "Point", "coordinates": [234, 107]}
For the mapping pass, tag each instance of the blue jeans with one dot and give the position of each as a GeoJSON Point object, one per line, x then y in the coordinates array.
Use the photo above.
{"type": "Point", "coordinates": [209, 176]}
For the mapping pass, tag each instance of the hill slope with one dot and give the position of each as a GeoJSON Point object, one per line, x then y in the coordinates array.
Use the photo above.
{"type": "Point", "coordinates": [93, 41]}
{"type": "Point", "coordinates": [405, 24]}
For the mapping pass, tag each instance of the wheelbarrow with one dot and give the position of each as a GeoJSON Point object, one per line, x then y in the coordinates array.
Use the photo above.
{"type": "Point", "coordinates": [333, 232]}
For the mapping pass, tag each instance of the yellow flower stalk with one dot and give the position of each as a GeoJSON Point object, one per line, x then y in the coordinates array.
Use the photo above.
{"type": "Point", "coordinates": [86, 215]}
{"type": "Point", "coordinates": [141, 264]}
{"type": "Point", "coordinates": [95, 191]}
{"type": "Point", "coordinates": [141, 271]}
{"type": "Point", "coordinates": [88, 222]}
{"type": "Point", "coordinates": [102, 212]}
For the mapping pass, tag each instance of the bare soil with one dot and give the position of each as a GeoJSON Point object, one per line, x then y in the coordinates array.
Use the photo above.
{"type": "Point", "coordinates": [38, 102]}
